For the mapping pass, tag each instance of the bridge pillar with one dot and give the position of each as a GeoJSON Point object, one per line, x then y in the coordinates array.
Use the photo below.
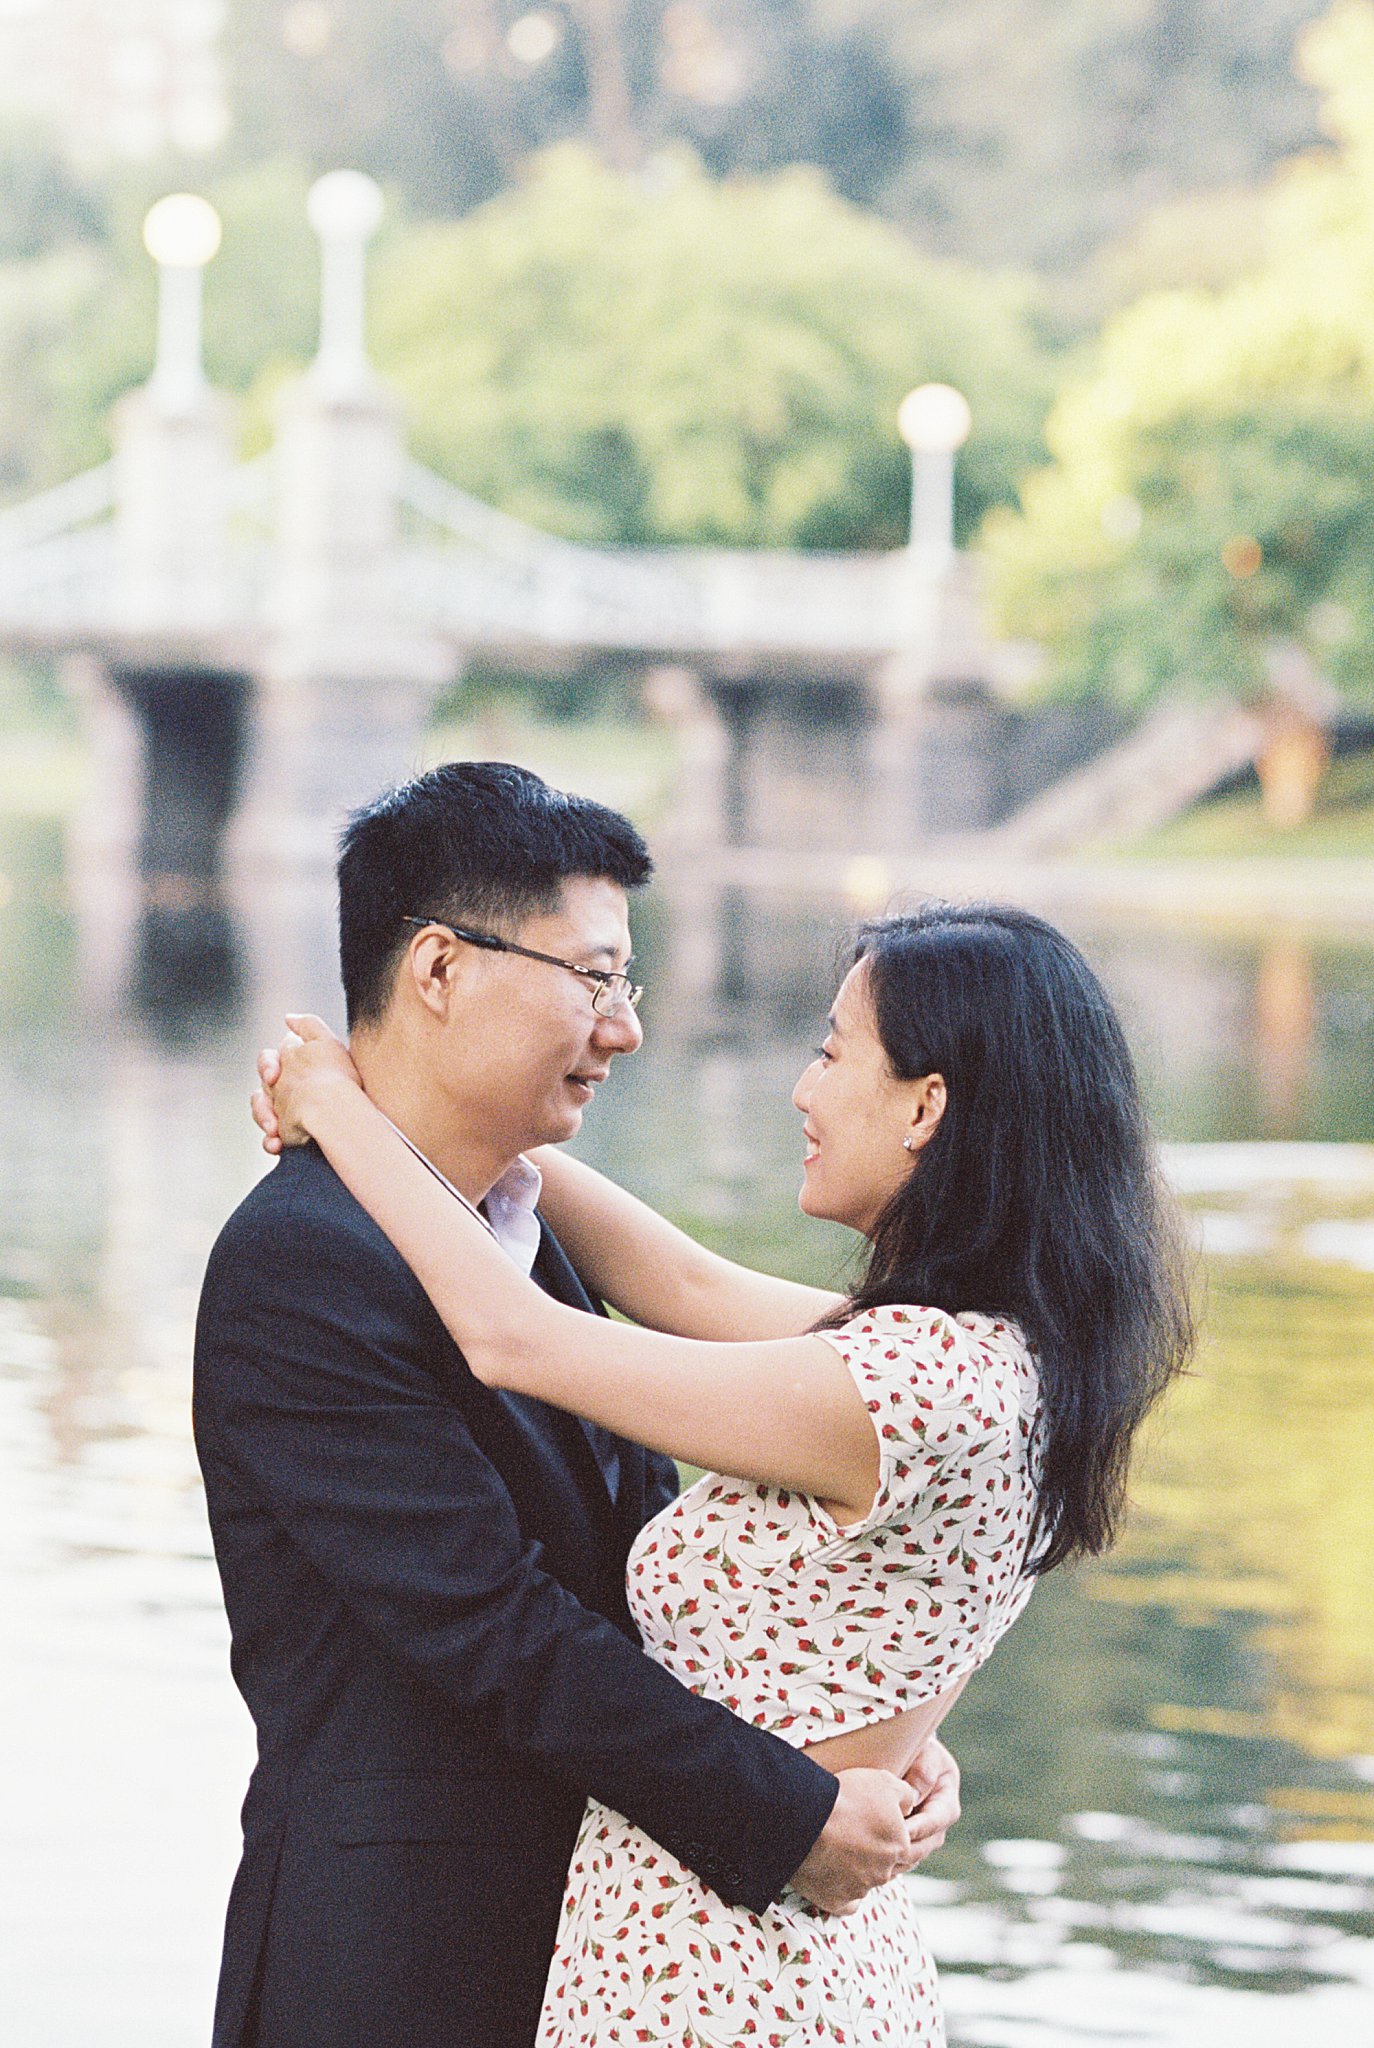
{"type": "Point", "coordinates": [164, 720]}
{"type": "Point", "coordinates": [173, 471]}
{"type": "Point", "coordinates": [346, 686]}
{"type": "Point", "coordinates": [896, 763]}
{"type": "Point", "coordinates": [146, 847]}
{"type": "Point", "coordinates": [689, 837]}
{"type": "Point", "coordinates": [677, 699]}
{"type": "Point", "coordinates": [193, 725]}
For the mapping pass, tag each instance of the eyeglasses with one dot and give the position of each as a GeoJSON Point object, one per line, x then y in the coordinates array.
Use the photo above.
{"type": "Point", "coordinates": [611, 991]}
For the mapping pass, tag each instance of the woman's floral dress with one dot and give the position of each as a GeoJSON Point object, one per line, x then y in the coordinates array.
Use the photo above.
{"type": "Point", "coordinates": [756, 1597]}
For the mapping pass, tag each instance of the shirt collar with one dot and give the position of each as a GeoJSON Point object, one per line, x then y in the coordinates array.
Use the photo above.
{"type": "Point", "coordinates": [509, 1206]}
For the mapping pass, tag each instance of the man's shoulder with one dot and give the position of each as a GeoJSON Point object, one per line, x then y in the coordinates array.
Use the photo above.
{"type": "Point", "coordinates": [301, 1209]}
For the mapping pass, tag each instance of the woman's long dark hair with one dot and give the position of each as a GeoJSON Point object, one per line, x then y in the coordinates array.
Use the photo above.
{"type": "Point", "coordinates": [1037, 1198]}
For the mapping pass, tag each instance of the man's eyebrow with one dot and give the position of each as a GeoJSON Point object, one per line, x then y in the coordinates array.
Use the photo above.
{"type": "Point", "coordinates": [832, 1026]}
{"type": "Point", "coordinates": [609, 951]}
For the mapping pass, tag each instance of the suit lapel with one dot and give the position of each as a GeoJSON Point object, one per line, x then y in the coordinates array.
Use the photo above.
{"type": "Point", "coordinates": [555, 1275]}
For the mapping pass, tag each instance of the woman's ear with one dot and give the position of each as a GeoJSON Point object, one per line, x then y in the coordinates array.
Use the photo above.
{"type": "Point", "coordinates": [928, 1100]}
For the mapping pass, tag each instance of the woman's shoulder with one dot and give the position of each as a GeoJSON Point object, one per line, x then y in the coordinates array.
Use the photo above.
{"type": "Point", "coordinates": [957, 1353]}
{"type": "Point", "coordinates": [942, 1330]}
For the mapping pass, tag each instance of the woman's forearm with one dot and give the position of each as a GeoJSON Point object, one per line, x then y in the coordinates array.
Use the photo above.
{"type": "Point", "coordinates": [482, 1300]}
{"type": "Point", "coordinates": [655, 1273]}
{"type": "Point", "coordinates": [787, 1412]}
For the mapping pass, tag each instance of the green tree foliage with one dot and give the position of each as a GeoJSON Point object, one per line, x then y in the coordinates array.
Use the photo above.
{"type": "Point", "coordinates": [1061, 123]}
{"type": "Point", "coordinates": [1211, 484]}
{"type": "Point", "coordinates": [618, 356]}
{"type": "Point", "coordinates": [683, 360]}
{"type": "Point", "coordinates": [1014, 131]}
{"type": "Point", "coordinates": [77, 323]}
{"type": "Point", "coordinates": [445, 98]}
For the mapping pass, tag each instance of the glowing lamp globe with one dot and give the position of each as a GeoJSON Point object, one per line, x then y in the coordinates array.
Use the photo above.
{"type": "Point", "coordinates": [934, 419]}
{"type": "Point", "coordinates": [182, 232]}
{"type": "Point", "coordinates": [345, 206]}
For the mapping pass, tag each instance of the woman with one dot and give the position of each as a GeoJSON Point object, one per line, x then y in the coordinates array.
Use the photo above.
{"type": "Point", "coordinates": [885, 1475]}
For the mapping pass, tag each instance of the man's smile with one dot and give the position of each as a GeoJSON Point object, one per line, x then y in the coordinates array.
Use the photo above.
{"type": "Point", "coordinates": [588, 1082]}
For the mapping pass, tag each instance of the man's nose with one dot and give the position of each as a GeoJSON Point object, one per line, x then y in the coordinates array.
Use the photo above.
{"type": "Point", "coordinates": [620, 1032]}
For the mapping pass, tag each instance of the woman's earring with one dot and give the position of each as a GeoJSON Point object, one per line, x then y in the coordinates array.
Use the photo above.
{"type": "Point", "coordinates": [908, 1143]}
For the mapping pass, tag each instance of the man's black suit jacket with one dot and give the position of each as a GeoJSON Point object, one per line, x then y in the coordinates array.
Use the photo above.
{"type": "Point", "coordinates": [425, 1587]}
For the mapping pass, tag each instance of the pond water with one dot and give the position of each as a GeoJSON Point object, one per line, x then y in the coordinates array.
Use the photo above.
{"type": "Point", "coordinates": [1169, 1830]}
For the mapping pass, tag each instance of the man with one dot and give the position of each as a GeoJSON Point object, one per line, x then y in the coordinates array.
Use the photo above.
{"type": "Point", "coordinates": [425, 1578]}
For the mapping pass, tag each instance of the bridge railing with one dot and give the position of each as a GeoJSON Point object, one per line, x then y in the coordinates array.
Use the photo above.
{"type": "Point", "coordinates": [535, 583]}
{"type": "Point", "coordinates": [510, 581]}
{"type": "Point", "coordinates": [482, 577]}
{"type": "Point", "coordinates": [67, 506]}
{"type": "Point", "coordinates": [252, 490]}
{"type": "Point", "coordinates": [62, 574]}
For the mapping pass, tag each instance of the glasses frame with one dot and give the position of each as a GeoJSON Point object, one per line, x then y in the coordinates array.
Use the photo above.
{"type": "Point", "coordinates": [617, 989]}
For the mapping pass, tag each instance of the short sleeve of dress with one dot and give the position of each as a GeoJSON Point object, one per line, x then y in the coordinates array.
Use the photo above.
{"type": "Point", "coordinates": [946, 1403]}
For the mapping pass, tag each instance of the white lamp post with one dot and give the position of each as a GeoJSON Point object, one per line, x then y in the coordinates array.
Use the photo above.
{"type": "Point", "coordinates": [345, 209]}
{"type": "Point", "coordinates": [181, 234]}
{"type": "Point", "coordinates": [934, 421]}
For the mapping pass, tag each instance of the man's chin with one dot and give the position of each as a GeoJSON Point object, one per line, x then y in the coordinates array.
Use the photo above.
{"type": "Point", "coordinates": [565, 1123]}
{"type": "Point", "coordinates": [562, 1118]}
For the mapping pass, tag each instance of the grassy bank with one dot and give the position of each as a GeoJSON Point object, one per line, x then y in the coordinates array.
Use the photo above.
{"type": "Point", "coordinates": [1234, 828]}
{"type": "Point", "coordinates": [41, 774]}
{"type": "Point", "coordinates": [626, 763]}
{"type": "Point", "coordinates": [631, 765]}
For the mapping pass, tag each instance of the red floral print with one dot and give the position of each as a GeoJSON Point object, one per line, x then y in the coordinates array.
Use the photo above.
{"type": "Point", "coordinates": [753, 1595]}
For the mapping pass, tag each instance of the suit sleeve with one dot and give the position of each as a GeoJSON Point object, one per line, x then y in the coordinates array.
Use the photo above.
{"type": "Point", "coordinates": [313, 1377]}
{"type": "Point", "coordinates": [661, 1484]}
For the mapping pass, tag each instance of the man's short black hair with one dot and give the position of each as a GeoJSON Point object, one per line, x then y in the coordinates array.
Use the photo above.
{"type": "Point", "coordinates": [473, 842]}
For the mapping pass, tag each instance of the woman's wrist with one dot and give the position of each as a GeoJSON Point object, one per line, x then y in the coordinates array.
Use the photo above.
{"type": "Point", "coordinates": [324, 1103]}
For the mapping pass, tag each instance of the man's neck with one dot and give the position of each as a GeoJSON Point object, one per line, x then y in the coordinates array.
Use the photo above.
{"type": "Point", "coordinates": [397, 1081]}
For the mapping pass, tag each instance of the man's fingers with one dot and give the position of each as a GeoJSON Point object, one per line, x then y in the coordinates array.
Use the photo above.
{"type": "Point", "coordinates": [269, 1066]}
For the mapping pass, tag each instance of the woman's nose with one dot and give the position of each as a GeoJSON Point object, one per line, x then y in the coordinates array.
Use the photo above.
{"type": "Point", "coordinates": [801, 1094]}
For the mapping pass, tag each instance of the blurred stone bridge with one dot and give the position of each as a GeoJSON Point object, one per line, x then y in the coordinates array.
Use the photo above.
{"type": "Point", "coordinates": [318, 599]}
{"type": "Point", "coordinates": [260, 644]}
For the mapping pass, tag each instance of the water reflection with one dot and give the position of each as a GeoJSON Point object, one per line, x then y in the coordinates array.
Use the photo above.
{"type": "Point", "coordinates": [187, 964]}
{"type": "Point", "coordinates": [1285, 1031]}
{"type": "Point", "coordinates": [1170, 1764]}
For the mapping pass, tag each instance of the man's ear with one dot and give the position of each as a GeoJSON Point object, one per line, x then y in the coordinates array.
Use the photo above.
{"type": "Point", "coordinates": [432, 969]}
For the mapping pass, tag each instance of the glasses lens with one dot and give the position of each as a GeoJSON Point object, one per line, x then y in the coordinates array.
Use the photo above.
{"type": "Point", "coordinates": [613, 995]}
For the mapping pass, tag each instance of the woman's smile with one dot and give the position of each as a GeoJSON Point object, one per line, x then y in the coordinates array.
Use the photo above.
{"type": "Point", "coordinates": [849, 1087]}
